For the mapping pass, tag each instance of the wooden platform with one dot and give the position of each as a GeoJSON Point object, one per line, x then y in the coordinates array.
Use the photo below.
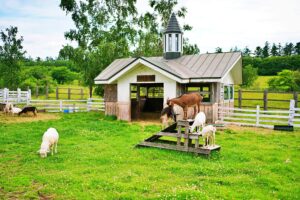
{"type": "Point", "coordinates": [176, 132]}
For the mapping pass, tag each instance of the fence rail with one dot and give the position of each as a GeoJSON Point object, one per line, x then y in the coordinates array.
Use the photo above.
{"type": "Point", "coordinates": [18, 96]}
{"type": "Point", "coordinates": [260, 118]}
{"type": "Point", "coordinates": [266, 99]}
{"type": "Point", "coordinates": [90, 104]}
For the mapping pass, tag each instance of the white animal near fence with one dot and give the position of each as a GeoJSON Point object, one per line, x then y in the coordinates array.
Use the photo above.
{"type": "Point", "coordinates": [260, 118]}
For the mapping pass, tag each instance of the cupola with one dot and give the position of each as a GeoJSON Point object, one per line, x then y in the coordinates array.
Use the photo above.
{"type": "Point", "coordinates": [172, 39]}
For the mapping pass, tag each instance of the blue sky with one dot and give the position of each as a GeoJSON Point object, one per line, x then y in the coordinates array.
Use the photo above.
{"type": "Point", "coordinates": [224, 23]}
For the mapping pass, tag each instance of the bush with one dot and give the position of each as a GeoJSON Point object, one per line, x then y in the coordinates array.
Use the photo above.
{"type": "Point", "coordinates": [99, 90]}
{"type": "Point", "coordinates": [63, 75]}
{"type": "Point", "coordinates": [249, 75]}
{"type": "Point", "coordinates": [286, 80]}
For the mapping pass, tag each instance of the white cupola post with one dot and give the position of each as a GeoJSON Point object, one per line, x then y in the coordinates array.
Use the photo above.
{"type": "Point", "coordinates": [173, 39]}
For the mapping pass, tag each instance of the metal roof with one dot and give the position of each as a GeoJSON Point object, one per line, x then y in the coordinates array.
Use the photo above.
{"type": "Point", "coordinates": [203, 66]}
{"type": "Point", "coordinates": [173, 25]}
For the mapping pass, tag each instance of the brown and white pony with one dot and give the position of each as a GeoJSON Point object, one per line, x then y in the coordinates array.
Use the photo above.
{"type": "Point", "coordinates": [187, 100]}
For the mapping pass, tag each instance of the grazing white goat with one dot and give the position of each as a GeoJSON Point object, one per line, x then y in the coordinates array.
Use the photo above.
{"type": "Point", "coordinates": [8, 107]}
{"type": "Point", "coordinates": [209, 134]}
{"type": "Point", "coordinates": [200, 120]}
{"type": "Point", "coordinates": [50, 140]}
{"type": "Point", "coordinates": [15, 110]}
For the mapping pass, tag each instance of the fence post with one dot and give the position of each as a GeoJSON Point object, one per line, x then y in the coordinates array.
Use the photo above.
{"type": "Point", "coordinates": [18, 95]}
{"type": "Point", "coordinates": [81, 93]}
{"type": "Point", "coordinates": [47, 91]}
{"type": "Point", "coordinates": [292, 112]}
{"type": "Point", "coordinates": [37, 91]}
{"type": "Point", "coordinates": [69, 93]}
{"type": "Point", "coordinates": [240, 98]}
{"type": "Point", "coordinates": [296, 99]}
{"type": "Point", "coordinates": [60, 105]}
{"type": "Point", "coordinates": [28, 98]}
{"type": "Point", "coordinates": [5, 95]}
{"type": "Point", "coordinates": [257, 115]}
{"type": "Point", "coordinates": [265, 99]}
{"type": "Point", "coordinates": [57, 97]}
{"type": "Point", "coordinates": [88, 104]}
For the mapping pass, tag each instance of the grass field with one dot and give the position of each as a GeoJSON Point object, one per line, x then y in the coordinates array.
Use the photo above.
{"type": "Point", "coordinates": [97, 160]}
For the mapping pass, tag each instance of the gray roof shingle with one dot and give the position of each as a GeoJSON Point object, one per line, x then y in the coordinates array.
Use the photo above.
{"type": "Point", "coordinates": [173, 25]}
{"type": "Point", "coordinates": [210, 65]}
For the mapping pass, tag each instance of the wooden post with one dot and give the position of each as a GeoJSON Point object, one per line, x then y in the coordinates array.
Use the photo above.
{"type": "Point", "coordinates": [69, 93]}
{"type": "Point", "coordinates": [296, 99]}
{"type": "Point", "coordinates": [292, 112]}
{"type": "Point", "coordinates": [28, 97]}
{"type": "Point", "coordinates": [47, 91]}
{"type": "Point", "coordinates": [240, 98]}
{"type": "Point", "coordinates": [138, 101]}
{"type": "Point", "coordinates": [265, 99]}
{"type": "Point", "coordinates": [81, 93]}
{"type": "Point", "coordinates": [57, 94]}
{"type": "Point", "coordinates": [257, 115]}
{"type": "Point", "coordinates": [178, 135]}
{"type": "Point", "coordinates": [18, 95]}
{"type": "Point", "coordinates": [37, 91]}
{"type": "Point", "coordinates": [186, 137]}
{"type": "Point", "coordinates": [60, 105]}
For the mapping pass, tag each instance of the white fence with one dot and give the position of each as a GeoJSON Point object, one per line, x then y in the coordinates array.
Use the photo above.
{"type": "Point", "coordinates": [260, 118]}
{"type": "Point", "coordinates": [15, 96]}
{"type": "Point", "coordinates": [69, 105]}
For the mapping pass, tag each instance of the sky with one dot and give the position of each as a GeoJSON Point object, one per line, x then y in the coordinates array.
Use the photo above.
{"type": "Point", "coordinates": [216, 23]}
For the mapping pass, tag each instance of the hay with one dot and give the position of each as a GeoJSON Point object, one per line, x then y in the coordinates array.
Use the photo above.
{"type": "Point", "coordinates": [8, 119]}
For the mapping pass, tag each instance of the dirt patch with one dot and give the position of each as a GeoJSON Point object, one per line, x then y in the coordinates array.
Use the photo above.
{"type": "Point", "coordinates": [247, 129]}
{"type": "Point", "coordinates": [7, 119]}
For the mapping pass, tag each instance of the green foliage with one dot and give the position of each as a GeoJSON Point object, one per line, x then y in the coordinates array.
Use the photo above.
{"type": "Point", "coordinates": [99, 90]}
{"type": "Point", "coordinates": [11, 53]}
{"type": "Point", "coordinates": [63, 75]}
{"type": "Point", "coordinates": [218, 50]}
{"type": "Point", "coordinates": [190, 49]}
{"type": "Point", "coordinates": [272, 65]}
{"type": "Point", "coordinates": [266, 50]}
{"type": "Point", "coordinates": [249, 75]}
{"type": "Point", "coordinates": [96, 159]}
{"type": "Point", "coordinates": [286, 80]}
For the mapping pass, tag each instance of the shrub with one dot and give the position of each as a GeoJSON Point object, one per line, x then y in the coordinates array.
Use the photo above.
{"type": "Point", "coordinates": [249, 75]}
{"type": "Point", "coordinates": [63, 75]}
{"type": "Point", "coordinates": [286, 80]}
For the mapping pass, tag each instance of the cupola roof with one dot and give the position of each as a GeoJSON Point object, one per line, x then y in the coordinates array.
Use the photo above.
{"type": "Point", "coordinates": [173, 25]}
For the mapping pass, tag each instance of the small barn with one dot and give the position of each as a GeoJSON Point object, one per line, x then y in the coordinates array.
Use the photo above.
{"type": "Point", "coordinates": [138, 88]}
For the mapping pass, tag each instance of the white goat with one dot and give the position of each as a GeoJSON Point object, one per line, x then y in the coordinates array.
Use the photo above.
{"type": "Point", "coordinates": [209, 134]}
{"type": "Point", "coordinates": [8, 107]}
{"type": "Point", "coordinates": [200, 120]}
{"type": "Point", "coordinates": [15, 110]}
{"type": "Point", "coordinates": [50, 140]}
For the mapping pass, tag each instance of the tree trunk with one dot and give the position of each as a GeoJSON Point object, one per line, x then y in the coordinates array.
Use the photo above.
{"type": "Point", "coordinates": [91, 90]}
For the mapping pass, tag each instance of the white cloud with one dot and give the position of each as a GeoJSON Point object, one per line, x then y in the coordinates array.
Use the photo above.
{"type": "Point", "coordinates": [223, 23]}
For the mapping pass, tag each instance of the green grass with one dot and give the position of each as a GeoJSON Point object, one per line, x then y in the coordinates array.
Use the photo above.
{"type": "Point", "coordinates": [261, 82]}
{"type": "Point", "coordinates": [97, 160]}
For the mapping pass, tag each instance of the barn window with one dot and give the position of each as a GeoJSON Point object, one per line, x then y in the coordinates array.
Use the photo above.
{"type": "Point", "coordinates": [170, 42]}
{"type": "Point", "coordinates": [156, 92]}
{"type": "Point", "coordinates": [177, 42]}
{"type": "Point", "coordinates": [203, 89]}
{"type": "Point", "coordinates": [228, 92]}
{"type": "Point", "coordinates": [133, 91]}
{"type": "Point", "coordinates": [145, 78]}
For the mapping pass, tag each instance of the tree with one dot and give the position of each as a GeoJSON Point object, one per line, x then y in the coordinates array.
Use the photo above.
{"type": "Point", "coordinates": [189, 49]}
{"type": "Point", "coordinates": [265, 50]}
{"type": "Point", "coordinates": [246, 51]}
{"type": "Point", "coordinates": [63, 75]}
{"type": "Point", "coordinates": [286, 80]}
{"type": "Point", "coordinates": [235, 49]}
{"type": "Point", "coordinates": [274, 50]}
{"type": "Point", "coordinates": [258, 52]}
{"type": "Point", "coordinates": [249, 75]}
{"type": "Point", "coordinates": [101, 27]}
{"type": "Point", "coordinates": [11, 53]}
{"type": "Point", "coordinates": [288, 49]}
{"type": "Point", "coordinates": [218, 50]}
{"type": "Point", "coordinates": [297, 48]}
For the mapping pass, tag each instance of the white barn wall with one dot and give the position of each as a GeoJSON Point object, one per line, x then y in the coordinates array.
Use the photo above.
{"type": "Point", "coordinates": [131, 77]}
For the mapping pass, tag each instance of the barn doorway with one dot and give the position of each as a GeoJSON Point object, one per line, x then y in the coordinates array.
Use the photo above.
{"type": "Point", "coordinates": [147, 100]}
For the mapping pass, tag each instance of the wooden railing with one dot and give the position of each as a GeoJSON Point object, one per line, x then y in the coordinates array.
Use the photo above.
{"type": "Point", "coordinates": [260, 118]}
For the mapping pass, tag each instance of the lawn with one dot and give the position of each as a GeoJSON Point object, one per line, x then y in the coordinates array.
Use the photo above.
{"type": "Point", "coordinates": [97, 160]}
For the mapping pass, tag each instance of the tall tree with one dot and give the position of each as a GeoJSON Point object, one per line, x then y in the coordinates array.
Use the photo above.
{"type": "Point", "coordinates": [100, 24]}
{"type": "Point", "coordinates": [274, 50]}
{"type": "Point", "coordinates": [190, 49]}
{"type": "Point", "coordinates": [297, 48]}
{"type": "Point", "coordinates": [11, 53]}
{"type": "Point", "coordinates": [266, 50]}
{"type": "Point", "coordinates": [246, 51]}
{"type": "Point", "coordinates": [288, 49]}
{"type": "Point", "coordinates": [218, 50]}
{"type": "Point", "coordinates": [258, 52]}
